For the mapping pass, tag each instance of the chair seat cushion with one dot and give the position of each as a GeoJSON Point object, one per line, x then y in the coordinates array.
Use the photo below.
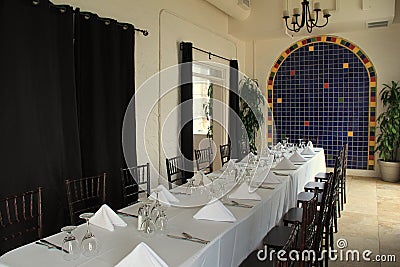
{"type": "Point", "coordinates": [277, 237]}
{"type": "Point", "coordinates": [293, 215]}
{"type": "Point", "coordinates": [310, 186]}
{"type": "Point", "coordinates": [307, 196]}
{"type": "Point", "coordinates": [322, 177]}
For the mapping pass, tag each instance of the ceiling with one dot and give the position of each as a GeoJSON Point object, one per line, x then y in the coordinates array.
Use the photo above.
{"type": "Point", "coordinates": [264, 18]}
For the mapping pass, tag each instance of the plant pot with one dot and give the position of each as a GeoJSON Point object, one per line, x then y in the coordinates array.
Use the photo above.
{"type": "Point", "coordinates": [390, 171]}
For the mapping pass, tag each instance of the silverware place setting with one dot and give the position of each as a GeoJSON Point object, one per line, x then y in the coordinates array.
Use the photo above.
{"type": "Point", "coordinates": [188, 237]}
{"type": "Point", "coordinates": [237, 204]}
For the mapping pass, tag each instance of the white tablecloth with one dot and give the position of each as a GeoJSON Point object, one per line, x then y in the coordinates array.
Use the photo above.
{"type": "Point", "coordinates": [230, 242]}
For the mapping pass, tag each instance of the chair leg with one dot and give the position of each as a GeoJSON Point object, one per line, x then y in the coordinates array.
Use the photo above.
{"type": "Point", "coordinates": [338, 205]}
{"type": "Point", "coordinates": [335, 216]}
{"type": "Point", "coordinates": [344, 191]}
{"type": "Point", "coordinates": [342, 194]}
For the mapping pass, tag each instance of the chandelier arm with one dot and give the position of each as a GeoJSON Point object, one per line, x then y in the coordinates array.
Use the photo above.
{"type": "Point", "coordinates": [321, 26]}
{"type": "Point", "coordinates": [290, 29]}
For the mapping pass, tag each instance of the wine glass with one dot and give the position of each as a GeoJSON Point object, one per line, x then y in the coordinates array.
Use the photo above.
{"type": "Point", "coordinates": [148, 227]}
{"type": "Point", "coordinates": [70, 246]}
{"type": "Point", "coordinates": [161, 220]}
{"type": "Point", "coordinates": [89, 242]}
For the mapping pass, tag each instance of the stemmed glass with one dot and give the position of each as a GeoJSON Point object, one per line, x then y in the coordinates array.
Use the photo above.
{"type": "Point", "coordinates": [89, 242]}
{"type": "Point", "coordinates": [148, 227]}
{"type": "Point", "coordinates": [161, 220]}
{"type": "Point", "coordinates": [70, 245]}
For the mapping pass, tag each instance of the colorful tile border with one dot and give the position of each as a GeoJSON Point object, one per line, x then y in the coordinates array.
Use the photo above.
{"type": "Point", "coordinates": [361, 56]}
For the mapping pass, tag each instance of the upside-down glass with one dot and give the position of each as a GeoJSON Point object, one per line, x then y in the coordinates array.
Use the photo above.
{"type": "Point", "coordinates": [71, 249]}
{"type": "Point", "coordinates": [89, 242]}
{"type": "Point", "coordinates": [162, 220]}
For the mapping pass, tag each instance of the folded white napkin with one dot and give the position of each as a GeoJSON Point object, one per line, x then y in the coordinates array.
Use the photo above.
{"type": "Point", "coordinates": [142, 255]}
{"type": "Point", "coordinates": [278, 145]}
{"type": "Point", "coordinates": [106, 218]}
{"type": "Point", "coordinates": [296, 157]}
{"type": "Point", "coordinates": [285, 164]}
{"type": "Point", "coordinates": [272, 179]}
{"type": "Point", "coordinates": [248, 156]}
{"type": "Point", "coordinates": [243, 193]}
{"type": "Point", "coordinates": [308, 151]}
{"type": "Point", "coordinates": [310, 144]}
{"type": "Point", "coordinates": [215, 211]}
{"type": "Point", "coordinates": [163, 195]}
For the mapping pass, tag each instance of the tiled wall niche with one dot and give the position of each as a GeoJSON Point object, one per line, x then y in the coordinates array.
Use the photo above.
{"type": "Point", "coordinates": [325, 86]}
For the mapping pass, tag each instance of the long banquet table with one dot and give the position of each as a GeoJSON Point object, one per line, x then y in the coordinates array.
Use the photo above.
{"type": "Point", "coordinates": [230, 242]}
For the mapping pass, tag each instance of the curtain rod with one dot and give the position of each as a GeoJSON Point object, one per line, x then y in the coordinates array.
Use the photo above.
{"type": "Point", "coordinates": [77, 10]}
{"type": "Point", "coordinates": [209, 53]}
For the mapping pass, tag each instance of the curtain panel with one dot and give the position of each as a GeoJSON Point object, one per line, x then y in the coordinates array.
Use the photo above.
{"type": "Point", "coordinates": [234, 124]}
{"type": "Point", "coordinates": [104, 84]}
{"type": "Point", "coordinates": [39, 136]}
{"type": "Point", "coordinates": [186, 107]}
{"type": "Point", "coordinates": [62, 103]}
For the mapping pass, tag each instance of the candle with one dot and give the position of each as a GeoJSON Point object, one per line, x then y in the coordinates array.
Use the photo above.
{"type": "Point", "coordinates": [317, 6]}
{"type": "Point", "coordinates": [285, 13]}
{"type": "Point", "coordinates": [312, 17]}
{"type": "Point", "coordinates": [296, 11]}
{"type": "Point", "coordinates": [326, 13]}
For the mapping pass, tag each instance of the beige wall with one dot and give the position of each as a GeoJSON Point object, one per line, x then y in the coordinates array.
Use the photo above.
{"type": "Point", "coordinates": [380, 45]}
{"type": "Point", "coordinates": [168, 22]}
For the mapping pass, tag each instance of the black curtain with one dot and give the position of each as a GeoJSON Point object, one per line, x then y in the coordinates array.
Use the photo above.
{"type": "Point", "coordinates": [186, 107]}
{"type": "Point", "coordinates": [104, 56]}
{"type": "Point", "coordinates": [39, 131]}
{"type": "Point", "coordinates": [234, 124]}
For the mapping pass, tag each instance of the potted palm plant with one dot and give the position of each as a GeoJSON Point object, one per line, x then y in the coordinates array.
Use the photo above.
{"type": "Point", "coordinates": [388, 141]}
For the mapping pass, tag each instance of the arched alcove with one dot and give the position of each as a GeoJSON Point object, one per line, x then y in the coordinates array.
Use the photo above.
{"type": "Point", "coordinates": [325, 86]}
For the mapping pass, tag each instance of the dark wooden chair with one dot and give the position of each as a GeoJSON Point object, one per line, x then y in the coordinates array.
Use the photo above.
{"type": "Point", "coordinates": [20, 219]}
{"type": "Point", "coordinates": [204, 159]}
{"type": "Point", "coordinates": [277, 236]}
{"type": "Point", "coordinates": [175, 171]}
{"type": "Point", "coordinates": [225, 151]}
{"type": "Point", "coordinates": [85, 195]}
{"type": "Point", "coordinates": [135, 180]}
{"type": "Point", "coordinates": [290, 245]}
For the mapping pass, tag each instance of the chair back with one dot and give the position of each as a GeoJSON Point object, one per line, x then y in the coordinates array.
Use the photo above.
{"type": "Point", "coordinates": [291, 245]}
{"type": "Point", "coordinates": [225, 151]}
{"type": "Point", "coordinates": [204, 159]}
{"type": "Point", "coordinates": [309, 222]}
{"type": "Point", "coordinates": [345, 154]}
{"type": "Point", "coordinates": [85, 195]}
{"type": "Point", "coordinates": [135, 180]}
{"type": "Point", "coordinates": [20, 219]}
{"type": "Point", "coordinates": [175, 171]}
{"type": "Point", "coordinates": [324, 213]}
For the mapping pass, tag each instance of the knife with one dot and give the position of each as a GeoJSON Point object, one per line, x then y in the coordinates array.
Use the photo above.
{"type": "Point", "coordinates": [280, 174]}
{"type": "Point", "coordinates": [266, 187]}
{"type": "Point", "coordinates": [53, 245]}
{"type": "Point", "coordinates": [127, 214]}
{"type": "Point", "coordinates": [185, 238]}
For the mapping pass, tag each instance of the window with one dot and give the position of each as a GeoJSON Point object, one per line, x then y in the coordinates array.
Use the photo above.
{"type": "Point", "coordinates": [204, 75]}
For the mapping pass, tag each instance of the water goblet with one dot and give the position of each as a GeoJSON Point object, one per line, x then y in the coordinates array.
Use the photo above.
{"type": "Point", "coordinates": [71, 249]}
{"type": "Point", "coordinates": [89, 242]}
{"type": "Point", "coordinates": [148, 225]}
{"type": "Point", "coordinates": [162, 220]}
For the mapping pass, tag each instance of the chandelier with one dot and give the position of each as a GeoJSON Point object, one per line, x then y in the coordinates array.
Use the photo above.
{"type": "Point", "coordinates": [308, 18]}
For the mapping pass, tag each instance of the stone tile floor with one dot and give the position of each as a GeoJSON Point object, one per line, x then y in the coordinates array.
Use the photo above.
{"type": "Point", "coordinates": [370, 220]}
